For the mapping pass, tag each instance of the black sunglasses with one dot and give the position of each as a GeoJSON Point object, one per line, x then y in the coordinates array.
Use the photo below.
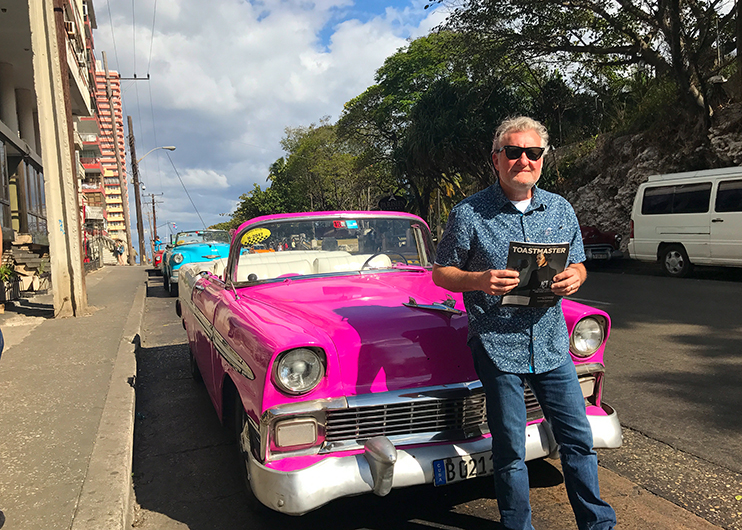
{"type": "Point", "coordinates": [514, 153]}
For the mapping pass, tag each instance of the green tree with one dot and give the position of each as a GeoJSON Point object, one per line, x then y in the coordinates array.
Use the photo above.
{"type": "Point", "coordinates": [318, 172]}
{"type": "Point", "coordinates": [678, 39]}
{"type": "Point", "coordinates": [321, 170]}
{"type": "Point", "coordinates": [430, 117]}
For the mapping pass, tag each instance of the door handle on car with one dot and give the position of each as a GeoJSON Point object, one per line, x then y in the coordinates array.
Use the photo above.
{"type": "Point", "coordinates": [717, 220]}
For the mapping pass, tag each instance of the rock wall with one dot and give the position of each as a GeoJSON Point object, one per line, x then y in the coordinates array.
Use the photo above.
{"type": "Point", "coordinates": [616, 167]}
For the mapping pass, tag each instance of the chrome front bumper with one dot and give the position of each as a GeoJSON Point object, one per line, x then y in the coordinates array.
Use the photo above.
{"type": "Point", "coordinates": [381, 467]}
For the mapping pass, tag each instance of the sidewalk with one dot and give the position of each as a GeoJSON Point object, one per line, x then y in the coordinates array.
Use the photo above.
{"type": "Point", "coordinates": [67, 407]}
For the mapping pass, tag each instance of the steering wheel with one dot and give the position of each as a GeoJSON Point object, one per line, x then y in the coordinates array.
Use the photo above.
{"type": "Point", "coordinates": [369, 260]}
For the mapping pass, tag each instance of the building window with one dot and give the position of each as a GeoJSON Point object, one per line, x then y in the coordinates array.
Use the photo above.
{"type": "Point", "coordinates": [4, 189]}
{"type": "Point", "coordinates": [95, 199]}
{"type": "Point", "coordinates": [35, 200]}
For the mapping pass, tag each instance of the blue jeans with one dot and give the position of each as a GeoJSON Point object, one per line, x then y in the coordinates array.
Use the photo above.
{"type": "Point", "coordinates": [559, 394]}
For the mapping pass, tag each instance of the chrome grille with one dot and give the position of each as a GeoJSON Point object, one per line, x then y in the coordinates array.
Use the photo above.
{"type": "Point", "coordinates": [453, 416]}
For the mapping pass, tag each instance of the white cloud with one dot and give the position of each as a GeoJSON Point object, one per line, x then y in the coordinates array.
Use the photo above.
{"type": "Point", "coordinates": [227, 77]}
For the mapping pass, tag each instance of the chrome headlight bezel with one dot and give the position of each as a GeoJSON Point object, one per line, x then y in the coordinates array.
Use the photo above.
{"type": "Point", "coordinates": [291, 364]}
{"type": "Point", "coordinates": [587, 336]}
{"type": "Point", "coordinates": [178, 258]}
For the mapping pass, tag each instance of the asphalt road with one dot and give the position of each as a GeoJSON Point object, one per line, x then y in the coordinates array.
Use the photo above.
{"type": "Point", "coordinates": [671, 371]}
{"type": "Point", "coordinates": [674, 364]}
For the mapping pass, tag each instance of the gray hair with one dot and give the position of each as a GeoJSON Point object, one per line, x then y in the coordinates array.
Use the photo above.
{"type": "Point", "coordinates": [520, 124]}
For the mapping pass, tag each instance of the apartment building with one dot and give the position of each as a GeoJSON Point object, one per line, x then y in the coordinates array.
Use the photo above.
{"type": "Point", "coordinates": [48, 115]}
{"type": "Point", "coordinates": [111, 122]}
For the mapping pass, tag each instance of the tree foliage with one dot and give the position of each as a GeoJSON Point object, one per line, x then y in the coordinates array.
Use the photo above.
{"type": "Point", "coordinates": [429, 119]}
{"type": "Point", "coordinates": [690, 41]}
{"type": "Point", "coordinates": [318, 172]}
{"type": "Point", "coordinates": [424, 129]}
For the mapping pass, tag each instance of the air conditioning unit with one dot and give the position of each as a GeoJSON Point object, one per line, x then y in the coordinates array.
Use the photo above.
{"type": "Point", "coordinates": [70, 27]}
{"type": "Point", "coordinates": [81, 58]}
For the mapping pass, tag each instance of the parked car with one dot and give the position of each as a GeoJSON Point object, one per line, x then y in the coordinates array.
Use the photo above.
{"type": "Point", "coordinates": [192, 246]}
{"type": "Point", "coordinates": [684, 219]}
{"type": "Point", "coordinates": [600, 245]}
{"type": "Point", "coordinates": [157, 260]}
{"type": "Point", "coordinates": [343, 369]}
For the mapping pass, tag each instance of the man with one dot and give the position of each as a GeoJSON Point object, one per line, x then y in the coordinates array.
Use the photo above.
{"type": "Point", "coordinates": [513, 346]}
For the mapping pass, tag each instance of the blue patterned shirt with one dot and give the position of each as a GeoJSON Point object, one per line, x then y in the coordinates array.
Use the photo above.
{"type": "Point", "coordinates": [479, 231]}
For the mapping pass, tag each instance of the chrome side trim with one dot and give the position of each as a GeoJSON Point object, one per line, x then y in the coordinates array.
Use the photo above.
{"type": "Point", "coordinates": [220, 344]}
{"type": "Point", "coordinates": [208, 329]}
{"type": "Point", "coordinates": [231, 356]}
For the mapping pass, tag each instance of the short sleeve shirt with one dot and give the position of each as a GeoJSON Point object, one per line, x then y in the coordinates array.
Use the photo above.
{"type": "Point", "coordinates": [477, 238]}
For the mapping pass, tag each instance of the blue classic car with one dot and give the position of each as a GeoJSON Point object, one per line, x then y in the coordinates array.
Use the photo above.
{"type": "Point", "coordinates": [191, 247]}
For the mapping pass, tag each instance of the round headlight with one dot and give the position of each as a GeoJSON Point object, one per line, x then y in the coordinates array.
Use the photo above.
{"type": "Point", "coordinates": [298, 371]}
{"type": "Point", "coordinates": [178, 258]}
{"type": "Point", "coordinates": [587, 337]}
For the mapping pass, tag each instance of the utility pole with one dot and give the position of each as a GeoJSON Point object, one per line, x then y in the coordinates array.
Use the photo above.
{"type": "Point", "coordinates": [137, 198]}
{"type": "Point", "coordinates": [154, 222]}
{"type": "Point", "coordinates": [119, 164]}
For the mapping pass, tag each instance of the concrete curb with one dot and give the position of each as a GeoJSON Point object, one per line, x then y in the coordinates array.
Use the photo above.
{"type": "Point", "coordinates": [105, 500]}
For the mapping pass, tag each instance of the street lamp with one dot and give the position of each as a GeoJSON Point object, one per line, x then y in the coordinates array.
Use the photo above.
{"type": "Point", "coordinates": [135, 181]}
{"type": "Point", "coordinates": [166, 147]}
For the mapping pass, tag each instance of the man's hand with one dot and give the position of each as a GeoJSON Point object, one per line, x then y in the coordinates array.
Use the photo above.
{"type": "Point", "coordinates": [494, 282]}
{"type": "Point", "coordinates": [567, 282]}
{"type": "Point", "coordinates": [498, 282]}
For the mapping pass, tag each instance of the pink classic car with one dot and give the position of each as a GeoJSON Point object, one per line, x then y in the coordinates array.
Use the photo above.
{"type": "Point", "coordinates": [342, 369]}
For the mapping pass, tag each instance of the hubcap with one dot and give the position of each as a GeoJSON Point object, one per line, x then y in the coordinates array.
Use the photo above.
{"type": "Point", "coordinates": [674, 262]}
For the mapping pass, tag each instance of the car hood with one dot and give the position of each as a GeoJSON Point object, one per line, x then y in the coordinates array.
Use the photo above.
{"type": "Point", "coordinates": [381, 344]}
{"type": "Point", "coordinates": [202, 251]}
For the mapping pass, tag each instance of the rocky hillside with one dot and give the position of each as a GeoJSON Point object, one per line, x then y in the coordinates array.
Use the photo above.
{"type": "Point", "coordinates": [605, 181]}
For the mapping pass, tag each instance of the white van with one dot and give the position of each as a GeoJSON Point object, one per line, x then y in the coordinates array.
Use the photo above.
{"type": "Point", "coordinates": [682, 219]}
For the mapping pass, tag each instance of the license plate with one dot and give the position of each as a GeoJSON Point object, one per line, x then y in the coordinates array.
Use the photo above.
{"type": "Point", "coordinates": [458, 468]}
{"type": "Point", "coordinates": [599, 255]}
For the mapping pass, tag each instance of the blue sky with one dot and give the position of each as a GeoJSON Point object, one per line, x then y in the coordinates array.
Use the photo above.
{"type": "Point", "coordinates": [228, 76]}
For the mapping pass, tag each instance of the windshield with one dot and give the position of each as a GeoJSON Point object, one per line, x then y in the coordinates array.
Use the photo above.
{"type": "Point", "coordinates": [202, 236]}
{"type": "Point", "coordinates": [331, 245]}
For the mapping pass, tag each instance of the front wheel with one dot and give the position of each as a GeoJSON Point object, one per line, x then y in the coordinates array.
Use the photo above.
{"type": "Point", "coordinates": [242, 437]}
{"type": "Point", "coordinates": [675, 261]}
{"type": "Point", "coordinates": [172, 288]}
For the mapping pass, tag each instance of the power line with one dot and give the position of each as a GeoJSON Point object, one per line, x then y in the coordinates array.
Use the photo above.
{"type": "Point", "coordinates": [185, 189]}
{"type": "Point", "coordinates": [113, 36]}
{"type": "Point", "coordinates": [134, 34]}
{"type": "Point", "coordinates": [152, 39]}
{"type": "Point", "coordinates": [154, 133]}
